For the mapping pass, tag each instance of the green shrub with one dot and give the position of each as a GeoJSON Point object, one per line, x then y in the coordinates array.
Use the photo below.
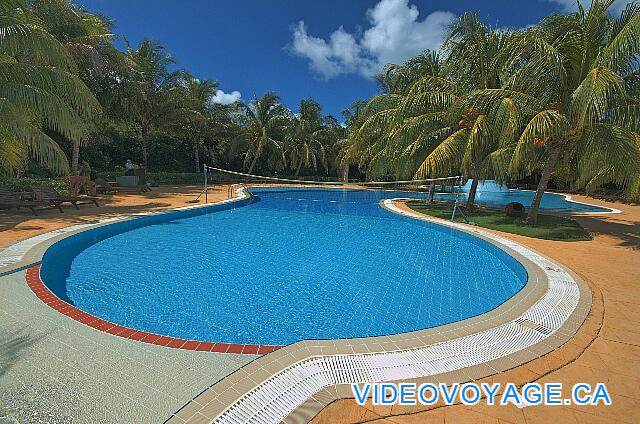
{"type": "Point", "coordinates": [24, 184]}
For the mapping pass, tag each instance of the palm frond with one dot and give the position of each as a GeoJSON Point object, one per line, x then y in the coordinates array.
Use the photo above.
{"type": "Point", "coordinates": [62, 84]}
{"type": "Point", "coordinates": [55, 112]}
{"type": "Point", "coordinates": [40, 146]}
{"type": "Point", "coordinates": [446, 158]}
{"type": "Point", "coordinates": [594, 97]}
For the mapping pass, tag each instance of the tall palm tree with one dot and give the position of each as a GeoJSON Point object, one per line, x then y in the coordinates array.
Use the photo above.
{"type": "Point", "coordinates": [570, 79]}
{"type": "Point", "coordinates": [472, 50]}
{"type": "Point", "coordinates": [83, 34]}
{"type": "Point", "coordinates": [38, 90]}
{"type": "Point", "coordinates": [148, 90]}
{"type": "Point", "coordinates": [197, 113]}
{"type": "Point", "coordinates": [262, 124]}
{"type": "Point", "coordinates": [307, 136]}
{"type": "Point", "coordinates": [348, 147]}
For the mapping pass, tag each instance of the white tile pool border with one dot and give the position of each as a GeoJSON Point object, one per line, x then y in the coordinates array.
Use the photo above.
{"type": "Point", "coordinates": [294, 383]}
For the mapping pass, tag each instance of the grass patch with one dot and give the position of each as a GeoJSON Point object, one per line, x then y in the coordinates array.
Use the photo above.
{"type": "Point", "coordinates": [549, 227]}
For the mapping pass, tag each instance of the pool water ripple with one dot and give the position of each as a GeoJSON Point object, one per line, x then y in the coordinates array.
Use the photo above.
{"type": "Point", "coordinates": [293, 264]}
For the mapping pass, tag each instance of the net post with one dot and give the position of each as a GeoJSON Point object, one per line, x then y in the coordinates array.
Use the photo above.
{"type": "Point", "coordinates": [206, 187]}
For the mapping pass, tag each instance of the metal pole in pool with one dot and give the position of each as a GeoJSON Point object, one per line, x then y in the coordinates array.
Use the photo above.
{"type": "Point", "coordinates": [206, 188]}
{"type": "Point", "coordinates": [455, 204]}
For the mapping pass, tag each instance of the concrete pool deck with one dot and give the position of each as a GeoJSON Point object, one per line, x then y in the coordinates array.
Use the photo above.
{"type": "Point", "coordinates": [345, 413]}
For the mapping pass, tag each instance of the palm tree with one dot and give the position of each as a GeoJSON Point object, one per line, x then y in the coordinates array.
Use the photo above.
{"type": "Point", "coordinates": [472, 50]}
{"type": "Point", "coordinates": [38, 90]}
{"type": "Point", "coordinates": [348, 148]}
{"type": "Point", "coordinates": [419, 125]}
{"type": "Point", "coordinates": [86, 37]}
{"type": "Point", "coordinates": [262, 124]}
{"type": "Point", "coordinates": [307, 137]}
{"type": "Point", "coordinates": [197, 113]}
{"type": "Point", "coordinates": [148, 92]}
{"type": "Point", "coordinates": [570, 78]}
{"type": "Point", "coordinates": [476, 144]}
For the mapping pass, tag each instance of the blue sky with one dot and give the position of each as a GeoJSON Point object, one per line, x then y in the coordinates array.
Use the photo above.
{"type": "Point", "coordinates": [326, 50]}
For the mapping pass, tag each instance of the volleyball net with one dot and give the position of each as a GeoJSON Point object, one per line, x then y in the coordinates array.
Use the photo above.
{"type": "Point", "coordinates": [214, 176]}
{"type": "Point", "coordinates": [456, 180]}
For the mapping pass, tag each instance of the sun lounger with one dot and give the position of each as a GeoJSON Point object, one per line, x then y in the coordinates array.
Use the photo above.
{"type": "Point", "coordinates": [105, 187]}
{"type": "Point", "coordinates": [82, 184]}
{"type": "Point", "coordinates": [48, 193]}
{"type": "Point", "coordinates": [9, 200]}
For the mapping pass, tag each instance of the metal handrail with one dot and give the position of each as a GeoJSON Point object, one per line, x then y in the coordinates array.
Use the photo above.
{"type": "Point", "coordinates": [230, 189]}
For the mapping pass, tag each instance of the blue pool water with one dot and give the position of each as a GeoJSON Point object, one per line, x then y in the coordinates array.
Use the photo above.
{"type": "Point", "coordinates": [290, 264]}
{"type": "Point", "coordinates": [491, 194]}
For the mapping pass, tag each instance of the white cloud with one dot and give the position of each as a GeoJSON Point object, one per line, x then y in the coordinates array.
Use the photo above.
{"type": "Point", "coordinates": [225, 98]}
{"type": "Point", "coordinates": [572, 5]}
{"type": "Point", "coordinates": [396, 34]}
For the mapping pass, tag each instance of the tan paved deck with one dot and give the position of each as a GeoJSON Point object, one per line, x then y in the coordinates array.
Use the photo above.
{"type": "Point", "coordinates": [607, 349]}
{"type": "Point", "coordinates": [16, 226]}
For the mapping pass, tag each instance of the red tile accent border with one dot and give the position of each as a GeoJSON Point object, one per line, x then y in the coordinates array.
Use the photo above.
{"type": "Point", "coordinates": [47, 296]}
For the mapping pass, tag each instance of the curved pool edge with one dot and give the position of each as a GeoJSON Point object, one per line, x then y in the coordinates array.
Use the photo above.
{"type": "Point", "coordinates": [297, 381]}
{"type": "Point", "coordinates": [28, 255]}
{"type": "Point", "coordinates": [569, 198]}
{"type": "Point", "coordinates": [30, 251]}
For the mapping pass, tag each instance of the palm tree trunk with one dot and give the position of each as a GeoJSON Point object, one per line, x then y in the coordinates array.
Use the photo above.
{"type": "Point", "coordinates": [298, 169]}
{"type": "Point", "coordinates": [253, 163]}
{"type": "Point", "coordinates": [145, 153]}
{"type": "Point", "coordinates": [472, 194]}
{"type": "Point", "coordinates": [196, 156]}
{"type": "Point", "coordinates": [75, 157]}
{"type": "Point", "coordinates": [432, 191]}
{"type": "Point", "coordinates": [548, 170]}
{"type": "Point", "coordinates": [145, 150]}
{"type": "Point", "coordinates": [345, 173]}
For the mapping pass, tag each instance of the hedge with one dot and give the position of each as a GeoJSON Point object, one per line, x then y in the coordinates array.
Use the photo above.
{"type": "Point", "coordinates": [24, 184]}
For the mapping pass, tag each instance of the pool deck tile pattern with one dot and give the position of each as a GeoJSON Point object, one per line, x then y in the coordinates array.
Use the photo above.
{"type": "Point", "coordinates": [54, 369]}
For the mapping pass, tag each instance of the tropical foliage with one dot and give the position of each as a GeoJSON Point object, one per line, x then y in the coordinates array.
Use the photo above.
{"type": "Point", "coordinates": [558, 100]}
{"type": "Point", "coordinates": [40, 91]}
{"type": "Point", "coordinates": [556, 104]}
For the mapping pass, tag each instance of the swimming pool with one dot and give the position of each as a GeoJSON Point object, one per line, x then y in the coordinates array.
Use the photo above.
{"type": "Point", "coordinates": [489, 193]}
{"type": "Point", "coordinates": [286, 265]}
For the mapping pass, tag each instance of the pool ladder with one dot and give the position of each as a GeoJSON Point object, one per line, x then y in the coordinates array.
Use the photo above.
{"type": "Point", "coordinates": [230, 189]}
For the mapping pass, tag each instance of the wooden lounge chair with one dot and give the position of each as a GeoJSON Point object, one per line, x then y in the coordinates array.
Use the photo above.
{"type": "Point", "coordinates": [105, 187]}
{"type": "Point", "coordinates": [48, 193]}
{"type": "Point", "coordinates": [9, 200]}
{"type": "Point", "coordinates": [80, 184]}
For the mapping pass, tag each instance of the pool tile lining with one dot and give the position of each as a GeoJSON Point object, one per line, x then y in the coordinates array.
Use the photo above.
{"type": "Point", "coordinates": [43, 293]}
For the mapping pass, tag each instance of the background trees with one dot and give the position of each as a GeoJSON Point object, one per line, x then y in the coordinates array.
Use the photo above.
{"type": "Point", "coordinates": [556, 103]}
{"type": "Point", "coordinates": [557, 98]}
